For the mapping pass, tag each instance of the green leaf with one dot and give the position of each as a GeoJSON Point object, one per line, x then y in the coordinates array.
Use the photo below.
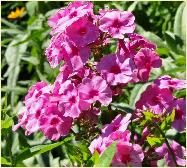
{"type": "Point", "coordinates": [32, 7]}
{"type": "Point", "coordinates": [4, 161]}
{"type": "Point", "coordinates": [166, 124]}
{"type": "Point", "coordinates": [32, 60]}
{"type": "Point", "coordinates": [13, 56]}
{"type": "Point", "coordinates": [27, 153]}
{"type": "Point", "coordinates": [18, 90]}
{"type": "Point", "coordinates": [6, 123]}
{"type": "Point", "coordinates": [74, 154]}
{"type": "Point", "coordinates": [155, 39]}
{"type": "Point", "coordinates": [162, 163]}
{"type": "Point", "coordinates": [123, 107]}
{"type": "Point", "coordinates": [94, 160]}
{"type": "Point", "coordinates": [174, 42]}
{"type": "Point", "coordinates": [148, 117]}
{"type": "Point", "coordinates": [11, 31]}
{"type": "Point", "coordinates": [180, 21]}
{"type": "Point", "coordinates": [107, 156]}
{"type": "Point", "coordinates": [154, 141]}
{"type": "Point", "coordinates": [132, 6]}
{"type": "Point", "coordinates": [9, 24]}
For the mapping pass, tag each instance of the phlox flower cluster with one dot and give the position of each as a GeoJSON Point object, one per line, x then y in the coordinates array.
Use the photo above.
{"type": "Point", "coordinates": [127, 154]}
{"type": "Point", "coordinates": [159, 98]}
{"type": "Point", "coordinates": [89, 79]}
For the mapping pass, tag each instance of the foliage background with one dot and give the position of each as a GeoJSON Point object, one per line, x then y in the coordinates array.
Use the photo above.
{"type": "Point", "coordinates": [23, 63]}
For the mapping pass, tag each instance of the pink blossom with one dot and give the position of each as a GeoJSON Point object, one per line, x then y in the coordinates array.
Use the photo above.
{"type": "Point", "coordinates": [144, 60]}
{"type": "Point", "coordinates": [179, 122]}
{"type": "Point", "coordinates": [167, 82]}
{"type": "Point", "coordinates": [74, 56]}
{"type": "Point", "coordinates": [130, 46]}
{"type": "Point", "coordinates": [34, 92]}
{"type": "Point", "coordinates": [95, 89]}
{"type": "Point", "coordinates": [53, 124]}
{"type": "Point", "coordinates": [65, 17]}
{"type": "Point", "coordinates": [71, 103]}
{"type": "Point", "coordinates": [61, 48]}
{"type": "Point", "coordinates": [178, 150]}
{"type": "Point", "coordinates": [115, 69]}
{"type": "Point", "coordinates": [136, 41]}
{"type": "Point", "coordinates": [54, 52]}
{"type": "Point", "coordinates": [119, 123]}
{"type": "Point", "coordinates": [82, 32]}
{"type": "Point", "coordinates": [117, 23]}
{"type": "Point", "coordinates": [128, 154]}
{"type": "Point", "coordinates": [145, 133]}
{"type": "Point", "coordinates": [155, 99]}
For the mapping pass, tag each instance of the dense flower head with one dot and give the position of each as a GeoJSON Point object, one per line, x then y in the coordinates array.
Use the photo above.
{"type": "Point", "coordinates": [179, 153]}
{"type": "Point", "coordinates": [91, 77]}
{"type": "Point", "coordinates": [127, 154]}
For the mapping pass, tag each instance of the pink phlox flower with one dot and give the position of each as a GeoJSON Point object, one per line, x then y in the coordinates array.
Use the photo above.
{"type": "Point", "coordinates": [145, 60]}
{"type": "Point", "coordinates": [178, 150]}
{"type": "Point", "coordinates": [128, 154]}
{"type": "Point", "coordinates": [167, 82]}
{"type": "Point", "coordinates": [118, 124]}
{"type": "Point", "coordinates": [95, 89]}
{"type": "Point", "coordinates": [53, 123]}
{"type": "Point", "coordinates": [115, 69]}
{"type": "Point", "coordinates": [117, 23]}
{"type": "Point", "coordinates": [179, 122]}
{"type": "Point", "coordinates": [155, 99]}
{"type": "Point", "coordinates": [65, 17]}
{"type": "Point", "coordinates": [71, 103]}
{"type": "Point", "coordinates": [82, 32]}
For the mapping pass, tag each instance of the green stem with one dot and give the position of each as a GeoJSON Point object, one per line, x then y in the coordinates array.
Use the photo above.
{"type": "Point", "coordinates": [167, 143]}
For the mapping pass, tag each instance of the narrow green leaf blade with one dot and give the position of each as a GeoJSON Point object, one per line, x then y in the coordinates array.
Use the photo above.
{"type": "Point", "coordinates": [107, 156]}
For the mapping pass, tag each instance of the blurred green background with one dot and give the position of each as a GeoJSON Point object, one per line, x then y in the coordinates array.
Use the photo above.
{"type": "Point", "coordinates": [23, 63]}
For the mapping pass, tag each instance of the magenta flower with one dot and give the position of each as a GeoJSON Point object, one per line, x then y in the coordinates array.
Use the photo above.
{"type": "Point", "coordinates": [27, 121]}
{"type": "Point", "coordinates": [82, 32]}
{"type": "Point", "coordinates": [115, 69]}
{"type": "Point", "coordinates": [167, 82]}
{"type": "Point", "coordinates": [155, 99]}
{"type": "Point", "coordinates": [61, 48]}
{"type": "Point", "coordinates": [130, 46]}
{"type": "Point", "coordinates": [178, 150]}
{"type": "Point", "coordinates": [128, 154]}
{"type": "Point", "coordinates": [54, 51]}
{"type": "Point", "coordinates": [64, 18]}
{"type": "Point", "coordinates": [179, 122]}
{"type": "Point", "coordinates": [53, 124]}
{"type": "Point", "coordinates": [74, 56]}
{"type": "Point", "coordinates": [117, 23]}
{"type": "Point", "coordinates": [71, 103]}
{"type": "Point", "coordinates": [144, 60]}
{"type": "Point", "coordinates": [118, 124]}
{"type": "Point", "coordinates": [95, 89]}
{"type": "Point", "coordinates": [34, 92]}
